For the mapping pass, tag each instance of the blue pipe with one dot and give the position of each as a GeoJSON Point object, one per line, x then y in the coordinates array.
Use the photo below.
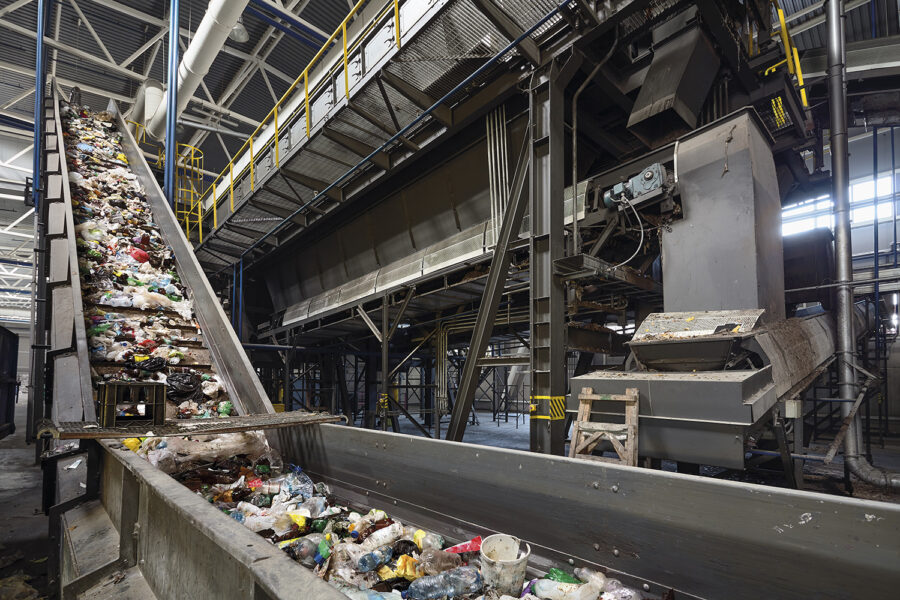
{"type": "Point", "coordinates": [39, 88]}
{"type": "Point", "coordinates": [172, 104]}
{"type": "Point", "coordinates": [15, 291]}
{"type": "Point", "coordinates": [292, 19]}
{"type": "Point", "coordinates": [282, 27]}
{"type": "Point", "coordinates": [15, 263]}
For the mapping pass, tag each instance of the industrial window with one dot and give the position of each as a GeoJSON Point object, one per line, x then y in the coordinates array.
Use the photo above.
{"type": "Point", "coordinates": [816, 212]}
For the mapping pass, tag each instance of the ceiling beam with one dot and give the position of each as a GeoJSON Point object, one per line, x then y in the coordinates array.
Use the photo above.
{"type": "Point", "coordinates": [164, 23]}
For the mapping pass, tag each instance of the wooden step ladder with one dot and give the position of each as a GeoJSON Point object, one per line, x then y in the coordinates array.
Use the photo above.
{"type": "Point", "coordinates": [587, 434]}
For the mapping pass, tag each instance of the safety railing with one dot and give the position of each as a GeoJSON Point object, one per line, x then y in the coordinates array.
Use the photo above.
{"type": "Point", "coordinates": [791, 56]}
{"type": "Point", "coordinates": [232, 172]}
{"type": "Point", "coordinates": [189, 189]}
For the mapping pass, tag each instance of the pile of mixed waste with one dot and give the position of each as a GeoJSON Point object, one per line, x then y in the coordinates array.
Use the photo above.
{"type": "Point", "coordinates": [139, 318]}
{"type": "Point", "coordinates": [366, 554]}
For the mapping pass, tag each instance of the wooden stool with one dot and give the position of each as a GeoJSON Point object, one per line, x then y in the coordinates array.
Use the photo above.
{"type": "Point", "coordinates": [586, 434]}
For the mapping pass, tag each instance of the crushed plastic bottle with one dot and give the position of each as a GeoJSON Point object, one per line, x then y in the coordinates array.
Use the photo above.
{"type": "Point", "coordinates": [547, 589]}
{"type": "Point", "coordinates": [464, 580]}
{"type": "Point", "coordinates": [433, 562]}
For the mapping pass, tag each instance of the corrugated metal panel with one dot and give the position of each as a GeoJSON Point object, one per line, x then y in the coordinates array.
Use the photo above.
{"type": "Point", "coordinates": [859, 22]}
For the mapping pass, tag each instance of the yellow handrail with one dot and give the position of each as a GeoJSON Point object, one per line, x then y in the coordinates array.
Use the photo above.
{"type": "Point", "coordinates": [304, 77]}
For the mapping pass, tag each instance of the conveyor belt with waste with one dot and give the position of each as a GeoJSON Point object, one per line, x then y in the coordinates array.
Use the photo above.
{"type": "Point", "coordinates": [142, 309]}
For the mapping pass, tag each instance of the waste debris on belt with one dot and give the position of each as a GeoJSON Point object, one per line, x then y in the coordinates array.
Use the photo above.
{"type": "Point", "coordinates": [139, 319]}
{"type": "Point", "coordinates": [364, 552]}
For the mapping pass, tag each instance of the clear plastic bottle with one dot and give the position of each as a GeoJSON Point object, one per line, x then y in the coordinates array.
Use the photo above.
{"type": "Point", "coordinates": [374, 559]}
{"type": "Point", "coordinates": [591, 576]}
{"type": "Point", "coordinates": [425, 540]}
{"type": "Point", "coordinates": [464, 580]}
{"type": "Point", "coordinates": [388, 535]}
{"type": "Point", "coordinates": [433, 562]}
{"type": "Point", "coordinates": [547, 589]}
{"type": "Point", "coordinates": [362, 523]}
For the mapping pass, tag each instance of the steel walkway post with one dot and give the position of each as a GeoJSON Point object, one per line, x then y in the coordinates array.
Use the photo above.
{"type": "Point", "coordinates": [548, 351]}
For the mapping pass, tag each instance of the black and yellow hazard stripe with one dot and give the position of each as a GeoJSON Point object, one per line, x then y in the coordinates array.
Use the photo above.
{"type": "Point", "coordinates": [556, 407]}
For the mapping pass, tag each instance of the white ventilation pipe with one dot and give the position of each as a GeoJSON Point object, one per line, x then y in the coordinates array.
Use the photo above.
{"type": "Point", "coordinates": [220, 18]}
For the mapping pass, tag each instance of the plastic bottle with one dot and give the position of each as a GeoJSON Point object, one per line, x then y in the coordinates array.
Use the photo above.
{"type": "Point", "coordinates": [434, 562]}
{"type": "Point", "coordinates": [464, 580]}
{"type": "Point", "coordinates": [324, 549]}
{"type": "Point", "coordinates": [362, 523]}
{"type": "Point", "coordinates": [304, 550]}
{"type": "Point", "coordinates": [388, 535]}
{"type": "Point", "coordinates": [591, 576]}
{"type": "Point", "coordinates": [425, 540]}
{"type": "Point", "coordinates": [547, 589]}
{"type": "Point", "coordinates": [374, 559]}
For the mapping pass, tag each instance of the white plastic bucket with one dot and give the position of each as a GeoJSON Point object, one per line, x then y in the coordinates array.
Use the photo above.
{"type": "Point", "coordinates": [503, 565]}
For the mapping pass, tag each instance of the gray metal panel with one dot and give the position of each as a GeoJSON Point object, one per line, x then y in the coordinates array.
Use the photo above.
{"type": "Point", "coordinates": [465, 245]}
{"type": "Point", "coordinates": [63, 319]}
{"type": "Point", "coordinates": [704, 537]}
{"type": "Point", "coordinates": [400, 272]}
{"type": "Point", "coordinates": [232, 364]}
{"type": "Point", "coordinates": [59, 260]}
{"type": "Point", "coordinates": [66, 397]}
{"type": "Point", "coordinates": [359, 288]}
{"type": "Point", "coordinates": [56, 218]}
{"type": "Point", "coordinates": [296, 312]}
{"type": "Point", "coordinates": [726, 253]}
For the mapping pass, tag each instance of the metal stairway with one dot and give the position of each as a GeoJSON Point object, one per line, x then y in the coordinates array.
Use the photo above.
{"type": "Point", "coordinates": [364, 108]}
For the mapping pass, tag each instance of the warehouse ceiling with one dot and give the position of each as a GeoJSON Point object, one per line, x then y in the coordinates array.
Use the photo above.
{"type": "Point", "coordinates": [107, 48]}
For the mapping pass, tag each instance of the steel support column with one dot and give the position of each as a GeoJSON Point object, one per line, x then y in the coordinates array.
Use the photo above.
{"type": "Point", "coordinates": [548, 351]}
{"type": "Point", "coordinates": [172, 107]}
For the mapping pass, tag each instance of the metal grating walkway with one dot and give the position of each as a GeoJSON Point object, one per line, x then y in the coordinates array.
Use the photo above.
{"type": "Point", "coordinates": [371, 84]}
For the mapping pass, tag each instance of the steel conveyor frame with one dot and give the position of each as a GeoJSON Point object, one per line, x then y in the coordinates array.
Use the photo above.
{"type": "Point", "coordinates": [702, 537]}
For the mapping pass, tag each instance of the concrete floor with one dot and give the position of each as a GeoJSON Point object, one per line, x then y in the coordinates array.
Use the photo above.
{"type": "Point", "coordinates": [23, 527]}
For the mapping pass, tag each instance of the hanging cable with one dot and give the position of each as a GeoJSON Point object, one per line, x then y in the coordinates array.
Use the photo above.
{"type": "Point", "coordinates": [640, 244]}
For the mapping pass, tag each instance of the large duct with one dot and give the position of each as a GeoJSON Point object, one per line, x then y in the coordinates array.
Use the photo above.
{"type": "Point", "coordinates": [220, 18]}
